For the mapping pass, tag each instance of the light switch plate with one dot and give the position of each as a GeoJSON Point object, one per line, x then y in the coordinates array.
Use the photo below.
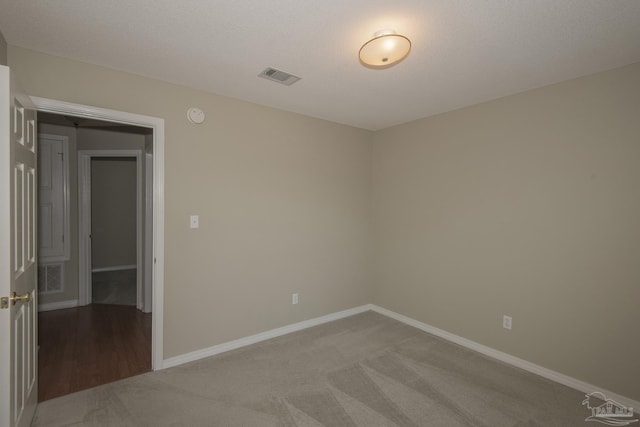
{"type": "Point", "coordinates": [194, 221]}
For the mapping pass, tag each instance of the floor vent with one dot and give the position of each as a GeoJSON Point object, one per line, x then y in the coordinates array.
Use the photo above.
{"type": "Point", "coordinates": [50, 278]}
{"type": "Point", "coordinates": [279, 76]}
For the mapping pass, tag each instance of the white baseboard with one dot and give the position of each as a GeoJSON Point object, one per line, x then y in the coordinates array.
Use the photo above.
{"type": "Point", "coordinates": [114, 268]}
{"type": "Point", "coordinates": [60, 305]}
{"type": "Point", "coordinates": [509, 359]}
{"type": "Point", "coordinates": [273, 333]}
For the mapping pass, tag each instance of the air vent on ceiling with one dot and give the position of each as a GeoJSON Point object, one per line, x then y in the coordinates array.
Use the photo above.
{"type": "Point", "coordinates": [279, 76]}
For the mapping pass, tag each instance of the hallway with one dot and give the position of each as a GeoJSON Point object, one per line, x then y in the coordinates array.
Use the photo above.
{"type": "Point", "coordinates": [88, 346]}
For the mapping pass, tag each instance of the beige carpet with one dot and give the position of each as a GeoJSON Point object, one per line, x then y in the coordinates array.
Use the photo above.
{"type": "Point", "coordinates": [365, 370]}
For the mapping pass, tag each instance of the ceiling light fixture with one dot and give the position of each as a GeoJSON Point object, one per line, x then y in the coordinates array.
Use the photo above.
{"type": "Point", "coordinates": [385, 49]}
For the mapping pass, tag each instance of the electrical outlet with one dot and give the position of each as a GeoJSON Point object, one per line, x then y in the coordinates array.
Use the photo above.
{"type": "Point", "coordinates": [506, 322]}
{"type": "Point", "coordinates": [294, 298]}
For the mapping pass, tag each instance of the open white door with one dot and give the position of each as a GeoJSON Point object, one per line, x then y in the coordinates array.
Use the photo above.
{"type": "Point", "coordinates": [18, 246]}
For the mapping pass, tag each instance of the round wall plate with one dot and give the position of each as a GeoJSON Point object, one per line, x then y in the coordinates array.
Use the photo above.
{"type": "Point", "coordinates": [195, 115]}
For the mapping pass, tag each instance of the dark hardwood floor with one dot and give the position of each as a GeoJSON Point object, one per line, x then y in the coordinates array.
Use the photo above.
{"type": "Point", "coordinates": [92, 345]}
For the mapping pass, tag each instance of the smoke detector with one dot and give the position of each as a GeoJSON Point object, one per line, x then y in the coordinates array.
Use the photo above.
{"type": "Point", "coordinates": [279, 76]}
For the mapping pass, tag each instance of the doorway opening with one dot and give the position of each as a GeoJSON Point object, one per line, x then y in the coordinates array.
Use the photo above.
{"type": "Point", "coordinates": [101, 311]}
{"type": "Point", "coordinates": [115, 235]}
{"type": "Point", "coordinates": [112, 227]}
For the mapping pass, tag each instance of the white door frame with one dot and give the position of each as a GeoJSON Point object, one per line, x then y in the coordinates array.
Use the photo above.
{"type": "Point", "coordinates": [84, 221]}
{"type": "Point", "coordinates": [147, 302]}
{"type": "Point", "coordinates": [157, 124]}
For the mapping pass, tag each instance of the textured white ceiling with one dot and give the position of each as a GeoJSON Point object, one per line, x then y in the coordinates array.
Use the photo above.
{"type": "Point", "coordinates": [464, 51]}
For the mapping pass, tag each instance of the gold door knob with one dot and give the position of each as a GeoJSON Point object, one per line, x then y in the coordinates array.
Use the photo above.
{"type": "Point", "coordinates": [26, 297]}
{"type": "Point", "coordinates": [4, 301]}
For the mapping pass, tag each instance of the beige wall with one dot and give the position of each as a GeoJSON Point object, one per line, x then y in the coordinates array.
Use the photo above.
{"type": "Point", "coordinates": [528, 206]}
{"type": "Point", "coordinates": [113, 212]}
{"type": "Point", "coordinates": [283, 201]}
{"type": "Point", "coordinates": [70, 267]}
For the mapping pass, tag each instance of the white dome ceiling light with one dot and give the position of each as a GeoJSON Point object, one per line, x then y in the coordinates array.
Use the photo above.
{"type": "Point", "coordinates": [385, 49]}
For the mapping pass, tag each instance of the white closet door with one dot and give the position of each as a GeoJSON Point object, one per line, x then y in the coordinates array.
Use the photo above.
{"type": "Point", "coordinates": [52, 204]}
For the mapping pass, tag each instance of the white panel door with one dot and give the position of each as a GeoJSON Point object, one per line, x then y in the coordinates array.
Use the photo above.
{"type": "Point", "coordinates": [52, 198]}
{"type": "Point", "coordinates": [18, 255]}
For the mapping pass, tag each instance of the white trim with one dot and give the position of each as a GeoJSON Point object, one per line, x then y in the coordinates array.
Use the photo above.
{"type": "Point", "coordinates": [157, 124]}
{"type": "Point", "coordinates": [84, 218]}
{"type": "Point", "coordinates": [84, 229]}
{"type": "Point", "coordinates": [507, 358]}
{"type": "Point", "coordinates": [114, 268]}
{"type": "Point", "coordinates": [104, 114]}
{"type": "Point", "coordinates": [147, 302]}
{"type": "Point", "coordinates": [273, 333]}
{"type": "Point", "coordinates": [60, 305]}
